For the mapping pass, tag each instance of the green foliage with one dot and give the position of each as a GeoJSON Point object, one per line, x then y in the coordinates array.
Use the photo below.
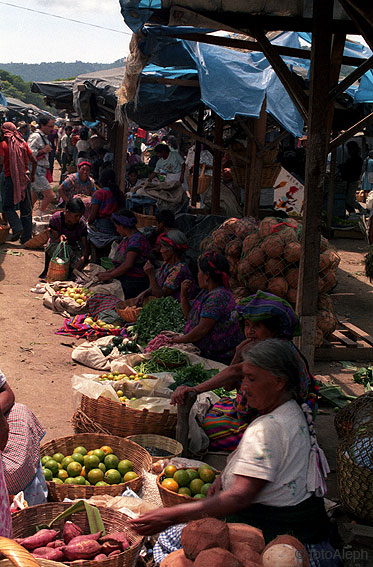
{"type": "Point", "coordinates": [15, 87]}
{"type": "Point", "coordinates": [163, 314]}
{"type": "Point", "coordinates": [56, 70]}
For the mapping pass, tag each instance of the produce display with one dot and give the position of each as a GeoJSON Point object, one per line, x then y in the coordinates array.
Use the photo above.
{"type": "Point", "coordinates": [266, 257]}
{"type": "Point", "coordinates": [78, 294]}
{"type": "Point", "coordinates": [124, 345]}
{"type": "Point", "coordinates": [188, 482]}
{"type": "Point", "coordinates": [163, 359]}
{"type": "Point", "coordinates": [156, 316]}
{"type": "Point", "coordinates": [116, 376]}
{"type": "Point", "coordinates": [73, 545]}
{"type": "Point", "coordinates": [191, 375]}
{"type": "Point", "coordinates": [99, 467]}
{"type": "Point", "coordinates": [96, 323]}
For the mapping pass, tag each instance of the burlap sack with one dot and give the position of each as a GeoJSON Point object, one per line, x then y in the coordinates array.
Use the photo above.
{"type": "Point", "coordinates": [89, 354]}
{"type": "Point", "coordinates": [88, 278]}
{"type": "Point", "coordinates": [65, 306]}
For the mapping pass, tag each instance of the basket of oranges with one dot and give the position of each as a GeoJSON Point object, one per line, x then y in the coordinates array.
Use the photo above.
{"type": "Point", "coordinates": [85, 465]}
{"type": "Point", "coordinates": [177, 486]}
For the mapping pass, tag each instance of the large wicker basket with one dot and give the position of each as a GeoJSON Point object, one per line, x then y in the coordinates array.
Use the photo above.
{"type": "Point", "coordinates": [123, 448]}
{"type": "Point", "coordinates": [20, 557]}
{"type": "Point", "coordinates": [171, 447]}
{"type": "Point", "coordinates": [38, 241]}
{"type": "Point", "coordinates": [145, 220]}
{"type": "Point", "coordinates": [25, 522]}
{"type": "Point", "coordinates": [353, 415]}
{"type": "Point", "coordinates": [123, 421]}
{"type": "Point", "coordinates": [355, 473]}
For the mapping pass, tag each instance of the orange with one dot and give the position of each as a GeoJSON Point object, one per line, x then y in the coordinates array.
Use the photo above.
{"type": "Point", "coordinates": [95, 476]}
{"type": "Point", "coordinates": [196, 485]}
{"type": "Point", "coordinates": [185, 491]}
{"type": "Point", "coordinates": [130, 475]}
{"type": "Point", "coordinates": [170, 484]}
{"type": "Point", "coordinates": [91, 462]}
{"type": "Point", "coordinates": [169, 471]}
{"type": "Point", "coordinates": [80, 480]}
{"type": "Point", "coordinates": [78, 457]}
{"type": "Point", "coordinates": [192, 474]}
{"type": "Point", "coordinates": [62, 475]}
{"type": "Point", "coordinates": [83, 472]}
{"type": "Point", "coordinates": [66, 461]}
{"type": "Point", "coordinates": [74, 469]}
{"type": "Point", "coordinates": [111, 461]}
{"type": "Point", "coordinates": [100, 454]}
{"type": "Point", "coordinates": [106, 449]}
{"type": "Point", "coordinates": [205, 488]}
{"type": "Point", "coordinates": [181, 477]}
{"type": "Point", "coordinates": [198, 496]}
{"type": "Point", "coordinates": [81, 450]}
{"type": "Point", "coordinates": [207, 475]}
{"type": "Point", "coordinates": [112, 476]}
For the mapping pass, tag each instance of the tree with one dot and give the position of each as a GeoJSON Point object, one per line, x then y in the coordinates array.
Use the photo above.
{"type": "Point", "coordinates": [15, 87]}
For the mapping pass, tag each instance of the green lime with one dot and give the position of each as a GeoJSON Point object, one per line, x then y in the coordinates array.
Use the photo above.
{"type": "Point", "coordinates": [125, 466]}
{"type": "Point", "coordinates": [205, 488]}
{"type": "Point", "coordinates": [196, 485]}
{"type": "Point", "coordinates": [48, 475]}
{"type": "Point", "coordinates": [70, 480]}
{"type": "Point", "coordinates": [181, 477]}
{"type": "Point", "coordinates": [198, 496]}
{"type": "Point", "coordinates": [81, 450]}
{"type": "Point", "coordinates": [185, 490]}
{"type": "Point", "coordinates": [207, 475]}
{"type": "Point", "coordinates": [45, 459]}
{"type": "Point", "coordinates": [87, 483]}
{"type": "Point", "coordinates": [203, 467]}
{"type": "Point", "coordinates": [57, 480]}
{"type": "Point", "coordinates": [58, 457]}
{"type": "Point", "coordinates": [74, 469]}
{"type": "Point", "coordinates": [112, 476]}
{"type": "Point", "coordinates": [102, 467]}
{"type": "Point", "coordinates": [130, 475]}
{"type": "Point", "coordinates": [78, 458]}
{"type": "Point", "coordinates": [66, 461]}
{"type": "Point", "coordinates": [52, 465]}
{"type": "Point", "coordinates": [62, 474]}
{"type": "Point", "coordinates": [101, 483]}
{"type": "Point", "coordinates": [111, 461]}
{"type": "Point", "coordinates": [100, 454]}
{"type": "Point", "coordinates": [91, 462]}
{"type": "Point", "coordinates": [192, 474]}
{"type": "Point", "coordinates": [95, 476]}
{"type": "Point", "coordinates": [80, 480]}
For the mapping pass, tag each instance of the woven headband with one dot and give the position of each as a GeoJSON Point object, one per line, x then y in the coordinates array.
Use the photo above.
{"type": "Point", "coordinates": [84, 163]}
{"type": "Point", "coordinates": [166, 240]}
{"type": "Point", "coordinates": [224, 275]}
{"type": "Point", "coordinates": [123, 220]}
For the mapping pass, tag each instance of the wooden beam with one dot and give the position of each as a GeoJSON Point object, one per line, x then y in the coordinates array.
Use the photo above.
{"type": "Point", "coordinates": [362, 16]}
{"type": "Point", "coordinates": [330, 206]}
{"type": "Point", "coordinates": [164, 81]}
{"type": "Point", "coordinates": [248, 132]}
{"type": "Point", "coordinates": [317, 145]}
{"type": "Point", "coordinates": [197, 155]}
{"type": "Point", "coordinates": [342, 138]}
{"type": "Point", "coordinates": [216, 171]}
{"type": "Point", "coordinates": [293, 89]}
{"type": "Point", "coordinates": [351, 78]}
{"type": "Point", "coordinates": [268, 147]}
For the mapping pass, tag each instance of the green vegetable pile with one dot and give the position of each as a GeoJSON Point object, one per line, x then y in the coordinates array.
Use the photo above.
{"type": "Point", "coordinates": [191, 376]}
{"type": "Point", "coordinates": [162, 360]}
{"type": "Point", "coordinates": [163, 314]}
{"type": "Point", "coordinates": [364, 376]}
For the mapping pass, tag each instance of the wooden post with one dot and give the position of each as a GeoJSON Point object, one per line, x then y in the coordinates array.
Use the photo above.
{"type": "Point", "coordinates": [252, 197]}
{"type": "Point", "coordinates": [333, 167]}
{"type": "Point", "coordinates": [197, 156]}
{"type": "Point", "coordinates": [120, 153]}
{"type": "Point", "coordinates": [317, 146]}
{"type": "Point", "coordinates": [182, 425]}
{"type": "Point", "coordinates": [216, 172]}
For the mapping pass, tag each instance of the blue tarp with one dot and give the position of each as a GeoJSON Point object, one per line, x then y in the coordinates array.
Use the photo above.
{"type": "Point", "coordinates": [137, 12]}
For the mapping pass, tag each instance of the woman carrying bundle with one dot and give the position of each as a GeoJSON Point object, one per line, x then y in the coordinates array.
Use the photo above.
{"type": "Point", "coordinates": [79, 183]}
{"type": "Point", "coordinates": [211, 321]}
{"type": "Point", "coordinates": [132, 253]}
{"type": "Point", "coordinates": [168, 279]}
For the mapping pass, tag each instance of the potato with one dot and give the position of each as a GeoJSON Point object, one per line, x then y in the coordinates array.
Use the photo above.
{"type": "Point", "coordinates": [247, 534]}
{"type": "Point", "coordinates": [40, 539]}
{"type": "Point", "coordinates": [285, 551]}
{"type": "Point", "coordinates": [204, 534]}
{"type": "Point", "coordinates": [217, 557]}
{"type": "Point", "coordinates": [71, 530]}
{"type": "Point", "coordinates": [245, 553]}
{"type": "Point", "coordinates": [86, 549]}
{"type": "Point", "coordinates": [176, 559]}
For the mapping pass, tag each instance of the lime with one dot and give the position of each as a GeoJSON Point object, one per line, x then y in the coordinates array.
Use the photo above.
{"type": "Point", "coordinates": [170, 484]}
{"type": "Point", "coordinates": [101, 483]}
{"type": "Point", "coordinates": [100, 454]}
{"type": "Point", "coordinates": [91, 462]}
{"type": "Point", "coordinates": [66, 461]}
{"type": "Point", "coordinates": [112, 476]}
{"type": "Point", "coordinates": [74, 469]}
{"type": "Point", "coordinates": [81, 450]}
{"type": "Point", "coordinates": [130, 475]}
{"type": "Point", "coordinates": [203, 467]}
{"type": "Point", "coordinates": [169, 471]}
{"type": "Point", "coordinates": [87, 483]}
{"type": "Point", "coordinates": [78, 458]}
{"type": "Point", "coordinates": [185, 491]}
{"type": "Point", "coordinates": [198, 496]}
{"type": "Point", "coordinates": [95, 476]}
{"type": "Point", "coordinates": [106, 449]}
{"type": "Point", "coordinates": [181, 477]}
{"type": "Point", "coordinates": [58, 457]}
{"type": "Point", "coordinates": [102, 467]}
{"type": "Point", "coordinates": [80, 480]}
{"type": "Point", "coordinates": [207, 475]}
{"type": "Point", "coordinates": [62, 474]}
{"type": "Point", "coordinates": [205, 488]}
{"type": "Point", "coordinates": [111, 461]}
{"type": "Point", "coordinates": [125, 466]}
{"type": "Point", "coordinates": [52, 465]}
{"type": "Point", "coordinates": [45, 459]}
{"type": "Point", "coordinates": [57, 480]}
{"type": "Point", "coordinates": [48, 475]}
{"type": "Point", "coordinates": [192, 474]}
{"type": "Point", "coordinates": [70, 480]}
{"type": "Point", "coordinates": [196, 485]}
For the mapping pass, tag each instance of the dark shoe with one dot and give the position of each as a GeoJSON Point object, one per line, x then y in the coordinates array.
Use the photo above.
{"type": "Point", "coordinates": [16, 236]}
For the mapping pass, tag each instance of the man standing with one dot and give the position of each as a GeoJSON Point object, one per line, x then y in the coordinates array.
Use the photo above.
{"type": "Point", "coordinates": [67, 150]}
{"type": "Point", "coordinates": [41, 148]}
{"type": "Point", "coordinates": [15, 155]}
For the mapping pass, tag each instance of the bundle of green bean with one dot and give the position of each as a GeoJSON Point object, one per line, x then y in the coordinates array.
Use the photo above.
{"type": "Point", "coordinates": [163, 359]}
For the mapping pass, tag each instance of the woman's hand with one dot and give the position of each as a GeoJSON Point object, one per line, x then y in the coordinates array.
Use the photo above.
{"type": "Point", "coordinates": [216, 486]}
{"type": "Point", "coordinates": [178, 397]}
{"type": "Point", "coordinates": [63, 238]}
{"type": "Point", "coordinates": [152, 522]}
{"type": "Point", "coordinates": [148, 268]}
{"type": "Point", "coordinates": [177, 339]}
{"type": "Point", "coordinates": [79, 265]}
{"type": "Point", "coordinates": [185, 288]}
{"type": "Point", "coordinates": [104, 276]}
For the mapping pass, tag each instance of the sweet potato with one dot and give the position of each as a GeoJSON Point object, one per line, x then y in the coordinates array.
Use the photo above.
{"type": "Point", "coordinates": [48, 553]}
{"type": "Point", "coordinates": [217, 557]}
{"type": "Point", "coordinates": [71, 530]}
{"type": "Point", "coordinates": [56, 544]}
{"type": "Point", "coordinates": [245, 553]}
{"type": "Point", "coordinates": [114, 553]}
{"type": "Point", "coordinates": [79, 538]}
{"type": "Point", "coordinates": [248, 534]}
{"type": "Point", "coordinates": [176, 559]}
{"type": "Point", "coordinates": [285, 551]}
{"type": "Point", "coordinates": [40, 539]}
{"type": "Point", "coordinates": [110, 546]}
{"type": "Point", "coordinates": [116, 537]}
{"type": "Point", "coordinates": [82, 549]}
{"type": "Point", "coordinates": [204, 534]}
{"type": "Point", "coordinates": [100, 557]}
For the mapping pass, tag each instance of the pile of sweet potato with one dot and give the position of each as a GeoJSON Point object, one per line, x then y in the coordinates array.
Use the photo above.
{"type": "Point", "coordinates": [73, 545]}
{"type": "Point", "coordinates": [212, 543]}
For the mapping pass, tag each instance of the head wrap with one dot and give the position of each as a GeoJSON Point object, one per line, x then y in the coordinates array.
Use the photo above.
{"type": "Point", "coordinates": [84, 162]}
{"type": "Point", "coordinates": [17, 160]}
{"type": "Point", "coordinates": [124, 221]}
{"type": "Point", "coordinates": [263, 305]}
{"type": "Point", "coordinates": [170, 241]}
{"type": "Point", "coordinates": [211, 258]}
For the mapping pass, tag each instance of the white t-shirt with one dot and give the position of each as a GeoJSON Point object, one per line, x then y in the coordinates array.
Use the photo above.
{"type": "Point", "coordinates": [275, 447]}
{"type": "Point", "coordinates": [172, 164]}
{"type": "Point", "coordinates": [36, 141]}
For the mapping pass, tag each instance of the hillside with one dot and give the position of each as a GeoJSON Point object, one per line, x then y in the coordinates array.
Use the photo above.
{"type": "Point", "coordinates": [58, 70]}
{"type": "Point", "coordinates": [15, 87]}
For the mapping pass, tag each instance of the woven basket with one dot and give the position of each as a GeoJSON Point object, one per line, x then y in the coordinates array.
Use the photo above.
{"type": "Point", "coordinates": [123, 448]}
{"type": "Point", "coordinates": [123, 421]}
{"type": "Point", "coordinates": [353, 415]}
{"type": "Point", "coordinates": [145, 220]}
{"type": "Point", "coordinates": [20, 557]}
{"type": "Point", "coordinates": [203, 181]}
{"type": "Point", "coordinates": [128, 314]}
{"type": "Point", "coordinates": [355, 473]}
{"type": "Point", "coordinates": [25, 522]}
{"type": "Point", "coordinates": [4, 231]}
{"type": "Point", "coordinates": [159, 442]}
{"type": "Point", "coordinates": [270, 174]}
{"type": "Point", "coordinates": [38, 241]}
{"type": "Point", "coordinates": [170, 498]}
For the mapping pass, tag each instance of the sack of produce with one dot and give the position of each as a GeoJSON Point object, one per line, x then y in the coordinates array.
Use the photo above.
{"type": "Point", "coordinates": [100, 353]}
{"type": "Point", "coordinates": [66, 298]}
{"type": "Point", "coordinates": [88, 278]}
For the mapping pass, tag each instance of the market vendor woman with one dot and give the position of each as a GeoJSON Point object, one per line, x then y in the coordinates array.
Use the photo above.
{"type": "Point", "coordinates": [69, 227]}
{"type": "Point", "coordinates": [211, 321]}
{"type": "Point", "coordinates": [132, 253]}
{"type": "Point", "coordinates": [275, 480]}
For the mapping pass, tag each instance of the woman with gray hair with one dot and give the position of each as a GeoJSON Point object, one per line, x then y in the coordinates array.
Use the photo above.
{"type": "Point", "coordinates": [275, 479]}
{"type": "Point", "coordinates": [173, 271]}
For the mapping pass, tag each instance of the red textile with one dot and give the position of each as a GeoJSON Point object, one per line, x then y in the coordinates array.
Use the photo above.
{"type": "Point", "coordinates": [75, 327]}
{"type": "Point", "coordinates": [18, 156]}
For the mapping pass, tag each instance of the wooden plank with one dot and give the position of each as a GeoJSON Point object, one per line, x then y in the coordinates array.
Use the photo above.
{"type": "Point", "coordinates": [358, 332]}
{"type": "Point", "coordinates": [343, 353]}
{"type": "Point", "coordinates": [330, 205]}
{"type": "Point", "coordinates": [362, 16]}
{"type": "Point", "coordinates": [216, 171]}
{"type": "Point", "coordinates": [197, 156]}
{"type": "Point", "coordinates": [162, 81]}
{"type": "Point", "coordinates": [344, 340]}
{"type": "Point", "coordinates": [317, 144]}
{"type": "Point", "coordinates": [342, 138]}
{"type": "Point", "coordinates": [351, 78]}
{"type": "Point", "coordinates": [268, 147]}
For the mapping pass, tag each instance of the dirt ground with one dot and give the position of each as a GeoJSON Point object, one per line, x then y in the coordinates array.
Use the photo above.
{"type": "Point", "coordinates": [38, 364]}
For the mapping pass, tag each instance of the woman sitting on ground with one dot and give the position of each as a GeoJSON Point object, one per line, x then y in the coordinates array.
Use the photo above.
{"type": "Point", "coordinates": [275, 480]}
{"type": "Point", "coordinates": [21, 456]}
{"type": "Point", "coordinates": [211, 321]}
{"type": "Point", "coordinates": [174, 270]}
{"type": "Point", "coordinates": [108, 199]}
{"type": "Point", "coordinates": [69, 227]}
{"type": "Point", "coordinates": [263, 316]}
{"type": "Point", "coordinates": [130, 257]}
{"type": "Point", "coordinates": [79, 183]}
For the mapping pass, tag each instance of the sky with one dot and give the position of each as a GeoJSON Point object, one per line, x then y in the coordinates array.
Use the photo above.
{"type": "Point", "coordinates": [27, 37]}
